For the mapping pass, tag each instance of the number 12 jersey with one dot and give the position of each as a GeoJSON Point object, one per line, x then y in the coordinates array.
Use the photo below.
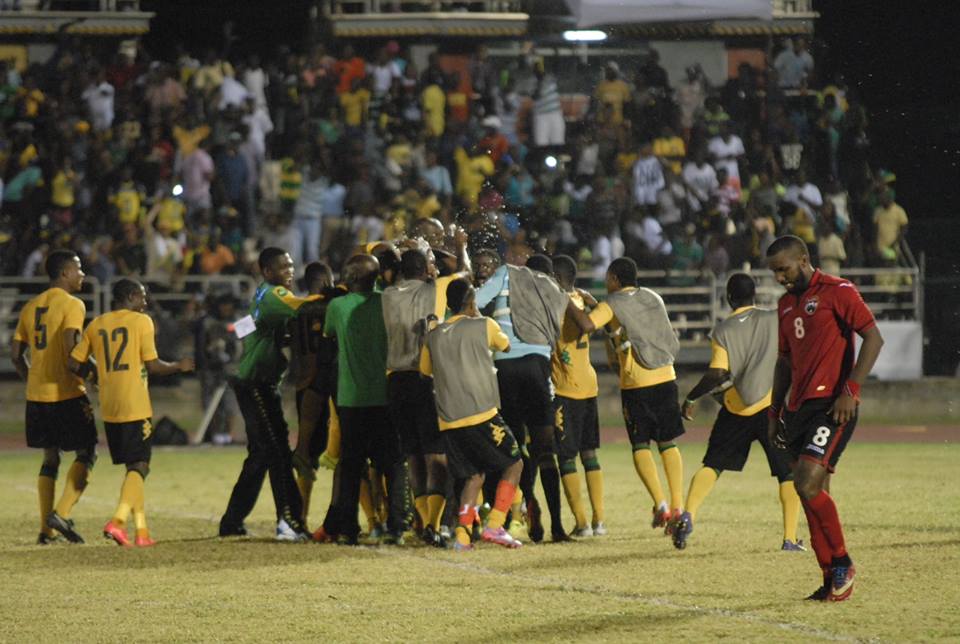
{"type": "Point", "coordinates": [122, 342]}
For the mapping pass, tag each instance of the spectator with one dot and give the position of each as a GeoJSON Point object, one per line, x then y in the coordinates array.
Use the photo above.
{"type": "Point", "coordinates": [890, 224]}
{"type": "Point", "coordinates": [830, 247]}
{"type": "Point", "coordinates": [99, 98]}
{"type": "Point", "coordinates": [727, 149]}
{"type": "Point", "coordinates": [647, 177]}
{"type": "Point", "coordinates": [794, 64]}
{"type": "Point", "coordinates": [690, 96]}
{"type": "Point", "coordinates": [198, 174]}
{"type": "Point", "coordinates": [493, 142]}
{"type": "Point", "coordinates": [611, 92]}
{"type": "Point", "coordinates": [549, 127]}
{"type": "Point", "coordinates": [217, 351]}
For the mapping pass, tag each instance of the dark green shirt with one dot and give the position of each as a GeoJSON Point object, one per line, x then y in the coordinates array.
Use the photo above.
{"type": "Point", "coordinates": [263, 360]}
{"type": "Point", "coordinates": [356, 320]}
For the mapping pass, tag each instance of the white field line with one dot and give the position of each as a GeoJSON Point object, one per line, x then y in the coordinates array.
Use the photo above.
{"type": "Point", "coordinates": [549, 583]}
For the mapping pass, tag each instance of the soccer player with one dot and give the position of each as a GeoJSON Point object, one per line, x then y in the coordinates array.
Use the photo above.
{"type": "Point", "coordinates": [59, 416]}
{"type": "Point", "coordinates": [408, 307]}
{"type": "Point", "coordinates": [744, 347]}
{"type": "Point", "coordinates": [122, 343]}
{"type": "Point", "coordinates": [645, 345]}
{"type": "Point", "coordinates": [315, 359]}
{"type": "Point", "coordinates": [477, 440]}
{"type": "Point", "coordinates": [257, 385]}
{"type": "Point", "coordinates": [356, 321]}
{"type": "Point", "coordinates": [578, 424]}
{"type": "Point", "coordinates": [529, 307]}
{"type": "Point", "coordinates": [818, 316]}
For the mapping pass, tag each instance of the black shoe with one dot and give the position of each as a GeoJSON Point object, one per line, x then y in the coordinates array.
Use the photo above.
{"type": "Point", "coordinates": [64, 527]}
{"type": "Point", "coordinates": [44, 539]}
{"type": "Point", "coordinates": [534, 521]}
{"type": "Point", "coordinates": [233, 530]}
{"type": "Point", "coordinates": [393, 539]}
{"type": "Point", "coordinates": [347, 540]}
{"type": "Point", "coordinates": [560, 537]}
{"type": "Point", "coordinates": [433, 538]}
{"type": "Point", "coordinates": [822, 593]}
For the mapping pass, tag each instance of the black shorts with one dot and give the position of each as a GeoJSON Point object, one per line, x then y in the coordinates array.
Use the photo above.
{"type": "Point", "coordinates": [731, 439]}
{"type": "Point", "coordinates": [578, 426]}
{"type": "Point", "coordinates": [812, 434]}
{"type": "Point", "coordinates": [313, 407]}
{"type": "Point", "coordinates": [652, 414]}
{"type": "Point", "coordinates": [67, 425]}
{"type": "Point", "coordinates": [478, 449]}
{"type": "Point", "coordinates": [526, 392]}
{"type": "Point", "coordinates": [129, 442]}
{"type": "Point", "coordinates": [413, 413]}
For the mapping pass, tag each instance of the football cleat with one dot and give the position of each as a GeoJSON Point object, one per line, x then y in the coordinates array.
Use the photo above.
{"type": "Point", "coordinates": [661, 516]}
{"type": "Point", "coordinates": [599, 529]}
{"type": "Point", "coordinates": [581, 533]}
{"type": "Point", "coordinates": [500, 537]}
{"type": "Point", "coordinates": [287, 534]}
{"type": "Point", "coordinates": [674, 518]}
{"type": "Point", "coordinates": [144, 542]}
{"type": "Point", "coordinates": [793, 546]}
{"type": "Point", "coordinates": [822, 593]}
{"type": "Point", "coordinates": [560, 536]}
{"type": "Point", "coordinates": [517, 529]}
{"type": "Point", "coordinates": [534, 521]}
{"type": "Point", "coordinates": [681, 529]}
{"type": "Point", "coordinates": [320, 536]}
{"type": "Point", "coordinates": [393, 539]}
{"type": "Point", "coordinates": [44, 539]}
{"type": "Point", "coordinates": [64, 527]}
{"type": "Point", "coordinates": [117, 534]}
{"type": "Point", "coordinates": [463, 547]}
{"type": "Point", "coordinates": [233, 530]}
{"type": "Point", "coordinates": [432, 538]}
{"type": "Point", "coordinates": [842, 586]}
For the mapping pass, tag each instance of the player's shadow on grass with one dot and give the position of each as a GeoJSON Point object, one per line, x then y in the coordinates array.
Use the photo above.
{"type": "Point", "coordinates": [911, 545]}
{"type": "Point", "coordinates": [199, 555]}
{"type": "Point", "coordinates": [644, 617]}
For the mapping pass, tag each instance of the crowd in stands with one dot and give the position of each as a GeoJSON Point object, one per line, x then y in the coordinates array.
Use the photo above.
{"type": "Point", "coordinates": [174, 165]}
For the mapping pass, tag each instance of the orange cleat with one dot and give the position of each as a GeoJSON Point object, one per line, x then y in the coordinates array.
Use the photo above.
{"type": "Point", "coordinates": [144, 542]}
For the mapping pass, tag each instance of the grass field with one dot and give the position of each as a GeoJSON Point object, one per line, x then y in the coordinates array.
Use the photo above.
{"type": "Point", "coordinates": [900, 503]}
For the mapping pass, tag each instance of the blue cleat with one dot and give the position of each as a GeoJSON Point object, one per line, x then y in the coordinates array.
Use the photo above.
{"type": "Point", "coordinates": [793, 546]}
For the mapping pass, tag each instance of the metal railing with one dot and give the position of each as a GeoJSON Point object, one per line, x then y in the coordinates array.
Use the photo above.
{"type": "Point", "coordinates": [79, 5]}
{"type": "Point", "coordinates": [173, 296]}
{"type": "Point", "coordinates": [353, 7]}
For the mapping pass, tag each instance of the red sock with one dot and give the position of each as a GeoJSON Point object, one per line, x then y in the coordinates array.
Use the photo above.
{"type": "Point", "coordinates": [817, 539]}
{"type": "Point", "coordinates": [467, 513]}
{"type": "Point", "coordinates": [826, 510]}
{"type": "Point", "coordinates": [505, 495]}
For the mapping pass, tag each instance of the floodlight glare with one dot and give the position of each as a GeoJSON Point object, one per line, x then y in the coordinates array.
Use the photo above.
{"type": "Point", "coordinates": [177, 190]}
{"type": "Point", "coordinates": [584, 35]}
{"type": "Point", "coordinates": [551, 161]}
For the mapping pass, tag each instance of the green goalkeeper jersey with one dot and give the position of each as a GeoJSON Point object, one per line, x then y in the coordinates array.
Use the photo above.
{"type": "Point", "coordinates": [263, 361]}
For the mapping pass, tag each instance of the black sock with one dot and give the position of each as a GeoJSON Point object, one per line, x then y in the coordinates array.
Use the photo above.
{"type": "Point", "coordinates": [550, 480]}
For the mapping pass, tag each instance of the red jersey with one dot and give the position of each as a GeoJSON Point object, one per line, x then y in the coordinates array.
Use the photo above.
{"type": "Point", "coordinates": [816, 335]}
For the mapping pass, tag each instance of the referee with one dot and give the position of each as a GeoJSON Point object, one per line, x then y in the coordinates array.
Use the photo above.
{"type": "Point", "coordinates": [744, 347]}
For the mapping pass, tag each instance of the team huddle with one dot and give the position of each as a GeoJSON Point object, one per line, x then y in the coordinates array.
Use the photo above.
{"type": "Point", "coordinates": [438, 387]}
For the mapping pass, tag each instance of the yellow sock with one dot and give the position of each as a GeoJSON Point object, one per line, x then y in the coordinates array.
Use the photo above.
{"type": "Point", "coordinates": [46, 487]}
{"type": "Point", "coordinates": [333, 435]}
{"type": "Point", "coordinates": [790, 501]}
{"type": "Point", "coordinates": [496, 518]}
{"type": "Point", "coordinates": [700, 487]}
{"type": "Point", "coordinates": [305, 485]}
{"type": "Point", "coordinates": [366, 504]}
{"type": "Point", "coordinates": [673, 468]}
{"type": "Point", "coordinates": [463, 536]}
{"type": "Point", "coordinates": [77, 477]}
{"type": "Point", "coordinates": [480, 498]}
{"type": "Point", "coordinates": [140, 521]}
{"type": "Point", "coordinates": [647, 471]}
{"type": "Point", "coordinates": [516, 505]}
{"type": "Point", "coordinates": [435, 505]}
{"type": "Point", "coordinates": [421, 504]}
{"type": "Point", "coordinates": [571, 487]}
{"type": "Point", "coordinates": [131, 496]}
{"type": "Point", "coordinates": [595, 491]}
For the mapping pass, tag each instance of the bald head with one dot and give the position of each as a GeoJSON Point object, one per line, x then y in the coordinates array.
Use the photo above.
{"type": "Point", "coordinates": [360, 273]}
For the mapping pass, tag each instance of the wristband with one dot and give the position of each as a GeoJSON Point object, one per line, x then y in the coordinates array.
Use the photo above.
{"type": "Point", "coordinates": [852, 389]}
{"type": "Point", "coordinates": [689, 401]}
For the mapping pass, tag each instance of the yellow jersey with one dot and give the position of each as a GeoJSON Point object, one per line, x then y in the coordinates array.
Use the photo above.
{"type": "Point", "coordinates": [633, 375]}
{"type": "Point", "coordinates": [42, 324]}
{"type": "Point", "coordinates": [122, 342]}
{"type": "Point", "coordinates": [570, 368]}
